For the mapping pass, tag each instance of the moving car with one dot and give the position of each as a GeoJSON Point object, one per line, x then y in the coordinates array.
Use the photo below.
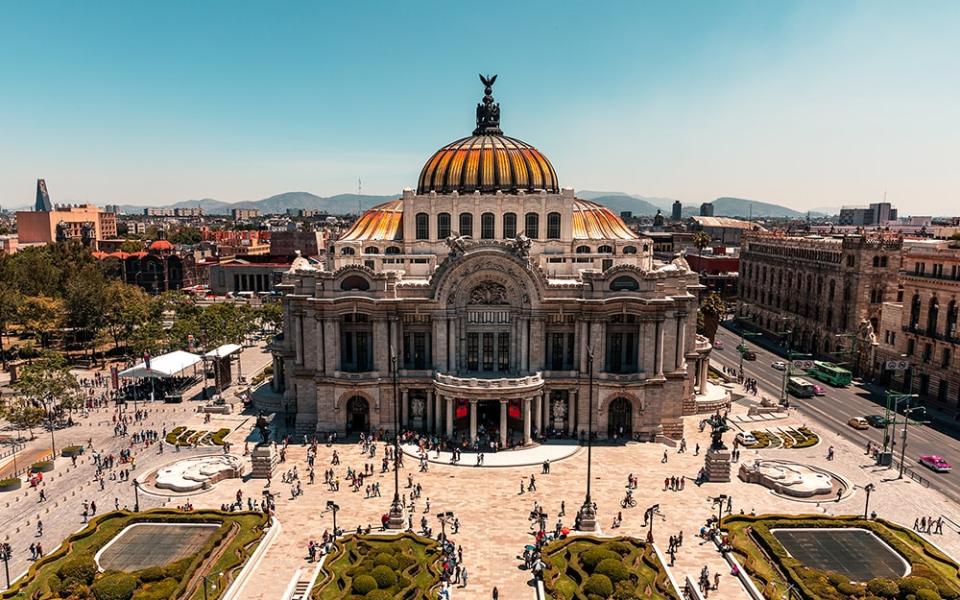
{"type": "Point", "coordinates": [718, 344]}
{"type": "Point", "coordinates": [746, 439]}
{"type": "Point", "coordinates": [818, 390]}
{"type": "Point", "coordinates": [858, 423]}
{"type": "Point", "coordinates": [779, 365]}
{"type": "Point", "coordinates": [749, 355]}
{"type": "Point", "coordinates": [876, 421]}
{"type": "Point", "coordinates": [934, 462]}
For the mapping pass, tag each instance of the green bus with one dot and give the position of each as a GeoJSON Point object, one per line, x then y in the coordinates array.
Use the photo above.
{"type": "Point", "coordinates": [800, 387]}
{"type": "Point", "coordinates": [828, 372]}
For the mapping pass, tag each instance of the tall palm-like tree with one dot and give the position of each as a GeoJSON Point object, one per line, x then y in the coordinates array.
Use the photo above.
{"type": "Point", "coordinates": [701, 240]}
{"type": "Point", "coordinates": [712, 308]}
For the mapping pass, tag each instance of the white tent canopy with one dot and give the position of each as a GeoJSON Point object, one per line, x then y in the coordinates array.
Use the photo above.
{"type": "Point", "coordinates": [166, 365]}
{"type": "Point", "coordinates": [222, 351]}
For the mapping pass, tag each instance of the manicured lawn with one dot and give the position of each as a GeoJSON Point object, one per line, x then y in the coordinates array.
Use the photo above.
{"type": "Point", "coordinates": [582, 565]}
{"type": "Point", "coordinates": [377, 566]}
{"type": "Point", "coordinates": [773, 570]}
{"type": "Point", "coordinates": [72, 567]}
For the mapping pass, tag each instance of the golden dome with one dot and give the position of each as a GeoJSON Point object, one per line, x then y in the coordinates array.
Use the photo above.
{"type": "Point", "coordinates": [592, 221]}
{"type": "Point", "coordinates": [382, 222]}
{"type": "Point", "coordinates": [487, 161]}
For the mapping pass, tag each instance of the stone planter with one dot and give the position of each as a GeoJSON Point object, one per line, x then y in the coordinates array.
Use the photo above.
{"type": "Point", "coordinates": [44, 466]}
{"type": "Point", "coordinates": [9, 485]}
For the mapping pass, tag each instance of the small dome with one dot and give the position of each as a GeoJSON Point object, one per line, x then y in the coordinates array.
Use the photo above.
{"type": "Point", "coordinates": [161, 245]}
{"type": "Point", "coordinates": [487, 161]}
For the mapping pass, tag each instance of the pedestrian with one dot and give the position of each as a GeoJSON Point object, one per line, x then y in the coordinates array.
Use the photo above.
{"type": "Point", "coordinates": [664, 457]}
{"type": "Point", "coordinates": [496, 593]}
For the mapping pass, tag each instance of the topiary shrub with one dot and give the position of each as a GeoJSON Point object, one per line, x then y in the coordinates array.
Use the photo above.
{"type": "Point", "coordinates": [115, 586]}
{"type": "Point", "coordinates": [913, 584]}
{"type": "Point", "coordinates": [621, 548]}
{"type": "Point", "coordinates": [10, 484]}
{"type": "Point", "coordinates": [152, 574]}
{"type": "Point", "coordinates": [379, 595]}
{"type": "Point", "coordinates": [592, 557]}
{"type": "Point", "coordinates": [54, 584]}
{"type": "Point", "coordinates": [81, 568]}
{"type": "Point", "coordinates": [599, 585]}
{"type": "Point", "coordinates": [883, 587]}
{"type": "Point", "coordinates": [385, 559]}
{"type": "Point", "coordinates": [162, 590]}
{"type": "Point", "coordinates": [363, 585]}
{"type": "Point", "coordinates": [71, 451]}
{"type": "Point", "coordinates": [44, 466]}
{"type": "Point", "coordinates": [612, 568]}
{"type": "Point", "coordinates": [384, 576]}
{"type": "Point", "coordinates": [928, 594]}
{"type": "Point", "coordinates": [178, 570]}
{"type": "Point", "coordinates": [836, 579]}
{"type": "Point", "coordinates": [849, 589]}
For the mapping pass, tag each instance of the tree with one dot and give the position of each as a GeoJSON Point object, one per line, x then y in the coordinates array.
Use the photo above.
{"type": "Point", "coordinates": [41, 315]}
{"type": "Point", "coordinates": [10, 301]}
{"type": "Point", "coordinates": [270, 315]}
{"type": "Point", "coordinates": [186, 235]}
{"type": "Point", "coordinates": [701, 240]}
{"type": "Point", "coordinates": [22, 414]}
{"type": "Point", "coordinates": [127, 307]}
{"type": "Point", "coordinates": [131, 246]}
{"type": "Point", "coordinates": [711, 310]}
{"type": "Point", "coordinates": [86, 302]}
{"type": "Point", "coordinates": [147, 337]}
{"type": "Point", "coordinates": [48, 382]}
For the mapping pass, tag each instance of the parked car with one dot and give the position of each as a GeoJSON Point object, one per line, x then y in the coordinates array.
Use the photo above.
{"type": "Point", "coordinates": [876, 421]}
{"type": "Point", "coordinates": [858, 423]}
{"type": "Point", "coordinates": [779, 365]}
{"type": "Point", "coordinates": [718, 344]}
{"type": "Point", "coordinates": [818, 390]}
{"type": "Point", "coordinates": [749, 355]}
{"type": "Point", "coordinates": [746, 439]}
{"type": "Point", "coordinates": [936, 463]}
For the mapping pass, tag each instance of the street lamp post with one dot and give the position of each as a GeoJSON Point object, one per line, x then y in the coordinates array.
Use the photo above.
{"type": "Point", "coordinates": [588, 516]}
{"type": "Point", "coordinates": [444, 517]}
{"type": "Point", "coordinates": [396, 508]}
{"type": "Point", "coordinates": [653, 510]}
{"type": "Point", "coordinates": [742, 348]}
{"type": "Point", "coordinates": [333, 507]}
{"type": "Point", "coordinates": [214, 586]}
{"type": "Point", "coordinates": [719, 501]}
{"type": "Point", "coordinates": [903, 441]}
{"type": "Point", "coordinates": [6, 553]}
{"type": "Point", "coordinates": [136, 496]}
{"type": "Point", "coordinates": [866, 507]}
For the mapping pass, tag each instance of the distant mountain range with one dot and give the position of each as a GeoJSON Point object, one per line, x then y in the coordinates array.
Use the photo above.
{"type": "Point", "coordinates": [722, 207]}
{"type": "Point", "coordinates": [616, 201]}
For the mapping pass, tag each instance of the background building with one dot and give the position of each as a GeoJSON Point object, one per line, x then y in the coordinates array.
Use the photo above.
{"type": "Point", "coordinates": [819, 288]}
{"type": "Point", "coordinates": [49, 224]}
{"type": "Point", "coordinates": [485, 289]}
{"type": "Point", "coordinates": [706, 209]}
{"type": "Point", "coordinates": [677, 213]}
{"type": "Point", "coordinates": [876, 215]}
{"type": "Point", "coordinates": [242, 214]}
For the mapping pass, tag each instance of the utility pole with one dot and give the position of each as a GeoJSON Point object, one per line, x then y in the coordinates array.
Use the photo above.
{"type": "Point", "coordinates": [903, 444]}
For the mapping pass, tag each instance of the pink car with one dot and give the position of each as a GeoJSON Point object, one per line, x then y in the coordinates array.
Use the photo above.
{"type": "Point", "coordinates": [818, 390]}
{"type": "Point", "coordinates": [935, 463]}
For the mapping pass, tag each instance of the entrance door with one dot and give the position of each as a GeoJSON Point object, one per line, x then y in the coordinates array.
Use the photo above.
{"type": "Point", "coordinates": [619, 419]}
{"type": "Point", "coordinates": [358, 414]}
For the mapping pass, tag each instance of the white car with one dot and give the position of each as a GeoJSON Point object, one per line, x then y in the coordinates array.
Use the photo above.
{"type": "Point", "coordinates": [746, 439]}
{"type": "Point", "coordinates": [779, 365]}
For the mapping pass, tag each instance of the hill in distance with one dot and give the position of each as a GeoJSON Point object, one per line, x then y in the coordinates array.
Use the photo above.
{"type": "Point", "coordinates": [722, 207]}
{"type": "Point", "coordinates": [337, 205]}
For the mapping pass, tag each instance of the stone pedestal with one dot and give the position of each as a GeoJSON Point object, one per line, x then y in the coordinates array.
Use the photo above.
{"type": "Point", "coordinates": [396, 519]}
{"type": "Point", "coordinates": [588, 518]}
{"type": "Point", "coordinates": [717, 465]}
{"type": "Point", "coordinates": [263, 462]}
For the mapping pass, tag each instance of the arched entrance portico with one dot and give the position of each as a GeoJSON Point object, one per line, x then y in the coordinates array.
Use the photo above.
{"type": "Point", "coordinates": [620, 419]}
{"type": "Point", "coordinates": [358, 414]}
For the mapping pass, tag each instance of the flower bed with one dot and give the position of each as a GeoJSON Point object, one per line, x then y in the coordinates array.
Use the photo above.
{"type": "Point", "coordinates": [216, 437]}
{"type": "Point", "coordinates": [773, 569]}
{"type": "Point", "coordinates": [585, 567]}
{"type": "Point", "coordinates": [71, 568]}
{"type": "Point", "coordinates": [174, 435]}
{"type": "Point", "coordinates": [374, 567]}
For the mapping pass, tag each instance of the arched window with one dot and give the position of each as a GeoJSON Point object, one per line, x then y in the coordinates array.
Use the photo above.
{"type": "Point", "coordinates": [914, 312]}
{"type": "Point", "coordinates": [355, 283]}
{"type": "Point", "coordinates": [583, 249]}
{"type": "Point", "coordinates": [392, 250]}
{"type": "Point", "coordinates": [466, 224]}
{"type": "Point", "coordinates": [532, 225]}
{"type": "Point", "coordinates": [629, 249]}
{"type": "Point", "coordinates": [509, 225]}
{"type": "Point", "coordinates": [356, 343]}
{"type": "Point", "coordinates": [553, 226]}
{"type": "Point", "coordinates": [933, 313]}
{"type": "Point", "coordinates": [443, 226]}
{"type": "Point", "coordinates": [423, 226]}
{"type": "Point", "coordinates": [486, 226]}
{"type": "Point", "coordinates": [624, 283]}
{"type": "Point", "coordinates": [371, 250]}
{"type": "Point", "coordinates": [831, 289]}
{"type": "Point", "coordinates": [605, 249]}
{"type": "Point", "coordinates": [347, 251]}
{"type": "Point", "coordinates": [876, 261]}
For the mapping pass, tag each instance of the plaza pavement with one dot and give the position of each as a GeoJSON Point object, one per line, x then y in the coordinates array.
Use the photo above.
{"type": "Point", "coordinates": [493, 514]}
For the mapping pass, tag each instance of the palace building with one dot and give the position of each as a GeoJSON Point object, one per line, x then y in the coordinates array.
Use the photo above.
{"type": "Point", "coordinates": [483, 298]}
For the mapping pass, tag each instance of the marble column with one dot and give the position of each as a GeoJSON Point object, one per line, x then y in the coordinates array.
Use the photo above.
{"type": "Point", "coordinates": [473, 421]}
{"type": "Point", "coordinates": [437, 413]}
{"type": "Point", "coordinates": [503, 423]}
{"type": "Point", "coordinates": [572, 412]}
{"type": "Point", "coordinates": [681, 334]}
{"type": "Point", "coordinates": [704, 374]}
{"type": "Point", "coordinates": [429, 424]}
{"type": "Point", "coordinates": [526, 421]}
{"type": "Point", "coordinates": [658, 348]}
{"type": "Point", "coordinates": [298, 337]}
{"type": "Point", "coordinates": [538, 414]}
{"type": "Point", "coordinates": [450, 402]}
{"type": "Point", "coordinates": [321, 347]}
{"type": "Point", "coordinates": [404, 409]}
{"type": "Point", "coordinates": [452, 343]}
{"type": "Point", "coordinates": [524, 346]}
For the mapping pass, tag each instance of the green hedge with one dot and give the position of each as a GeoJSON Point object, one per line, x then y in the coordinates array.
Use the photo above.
{"type": "Point", "coordinates": [10, 484]}
{"type": "Point", "coordinates": [217, 436]}
{"type": "Point", "coordinates": [71, 451]}
{"type": "Point", "coordinates": [115, 586]}
{"type": "Point", "coordinates": [44, 466]}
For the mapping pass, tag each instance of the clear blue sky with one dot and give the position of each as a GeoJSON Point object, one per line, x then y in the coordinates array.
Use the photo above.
{"type": "Point", "coordinates": [807, 104]}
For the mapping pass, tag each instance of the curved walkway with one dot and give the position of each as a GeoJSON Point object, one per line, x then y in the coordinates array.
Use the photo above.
{"type": "Point", "coordinates": [553, 450]}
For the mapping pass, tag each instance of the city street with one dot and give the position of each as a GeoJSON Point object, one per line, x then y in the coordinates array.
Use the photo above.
{"type": "Point", "coordinates": [839, 405]}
